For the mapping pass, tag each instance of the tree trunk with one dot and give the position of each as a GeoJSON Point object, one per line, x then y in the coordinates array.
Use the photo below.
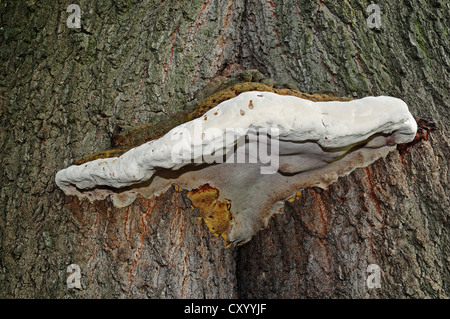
{"type": "Point", "coordinates": [65, 92]}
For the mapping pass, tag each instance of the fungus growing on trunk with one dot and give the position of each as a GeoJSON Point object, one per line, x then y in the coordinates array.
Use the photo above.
{"type": "Point", "coordinates": [257, 149]}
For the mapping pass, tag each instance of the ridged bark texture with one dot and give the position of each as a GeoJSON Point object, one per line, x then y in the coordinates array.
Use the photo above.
{"type": "Point", "coordinates": [65, 92]}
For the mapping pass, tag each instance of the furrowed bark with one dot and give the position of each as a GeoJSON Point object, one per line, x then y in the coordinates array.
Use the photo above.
{"type": "Point", "coordinates": [65, 92]}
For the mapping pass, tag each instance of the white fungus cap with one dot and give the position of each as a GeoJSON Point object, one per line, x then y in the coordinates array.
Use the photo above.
{"type": "Point", "coordinates": [312, 144]}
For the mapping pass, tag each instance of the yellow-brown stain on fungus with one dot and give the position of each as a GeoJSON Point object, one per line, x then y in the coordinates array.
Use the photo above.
{"type": "Point", "coordinates": [103, 154]}
{"type": "Point", "coordinates": [216, 214]}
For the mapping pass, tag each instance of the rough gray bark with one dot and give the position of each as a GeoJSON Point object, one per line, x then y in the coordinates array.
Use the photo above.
{"type": "Point", "coordinates": [64, 93]}
{"type": "Point", "coordinates": [394, 213]}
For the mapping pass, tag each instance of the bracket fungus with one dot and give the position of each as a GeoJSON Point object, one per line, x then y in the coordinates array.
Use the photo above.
{"type": "Point", "coordinates": [253, 151]}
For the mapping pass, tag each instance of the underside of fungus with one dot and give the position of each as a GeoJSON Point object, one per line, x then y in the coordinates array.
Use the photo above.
{"type": "Point", "coordinates": [243, 158]}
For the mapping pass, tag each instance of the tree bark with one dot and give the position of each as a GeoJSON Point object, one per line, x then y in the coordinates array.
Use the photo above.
{"type": "Point", "coordinates": [65, 92]}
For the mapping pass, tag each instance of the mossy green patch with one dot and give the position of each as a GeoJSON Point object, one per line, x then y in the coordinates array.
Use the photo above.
{"type": "Point", "coordinates": [420, 39]}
